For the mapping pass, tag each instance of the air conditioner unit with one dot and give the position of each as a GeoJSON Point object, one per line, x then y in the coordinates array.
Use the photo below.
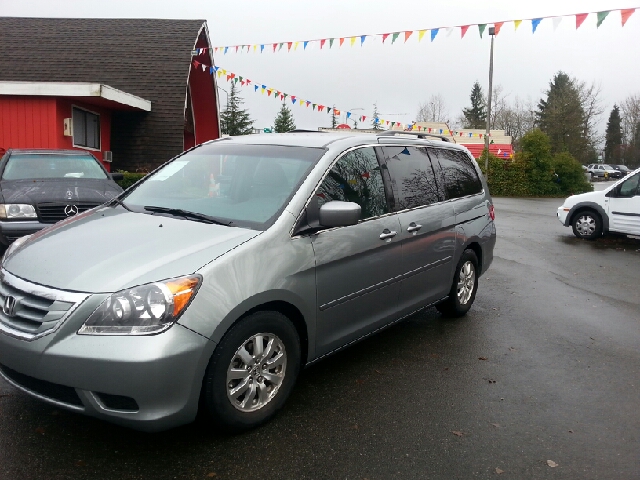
{"type": "Point", "coordinates": [107, 156]}
{"type": "Point", "coordinates": [68, 127]}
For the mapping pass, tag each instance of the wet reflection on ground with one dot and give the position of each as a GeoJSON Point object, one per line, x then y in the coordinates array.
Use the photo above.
{"type": "Point", "coordinates": [611, 242]}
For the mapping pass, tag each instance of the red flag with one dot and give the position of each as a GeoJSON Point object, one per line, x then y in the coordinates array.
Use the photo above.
{"type": "Point", "coordinates": [322, 43]}
{"type": "Point", "coordinates": [289, 44]}
{"type": "Point", "coordinates": [320, 107]}
{"type": "Point", "coordinates": [407, 34]}
{"type": "Point", "coordinates": [384, 36]}
{"type": "Point", "coordinates": [498, 26]}
{"type": "Point", "coordinates": [580, 17]}
{"type": "Point", "coordinates": [269, 92]}
{"type": "Point", "coordinates": [430, 127]}
{"type": "Point", "coordinates": [275, 45]}
{"type": "Point", "coordinates": [233, 75]}
{"type": "Point", "coordinates": [237, 48]}
{"type": "Point", "coordinates": [228, 77]}
{"type": "Point", "coordinates": [342, 40]}
{"type": "Point", "coordinates": [248, 82]}
{"type": "Point", "coordinates": [626, 13]}
{"type": "Point", "coordinates": [364, 118]}
{"type": "Point", "coordinates": [281, 97]}
{"type": "Point", "coordinates": [463, 30]}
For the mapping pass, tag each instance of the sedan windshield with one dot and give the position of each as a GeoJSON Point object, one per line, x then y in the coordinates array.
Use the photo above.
{"type": "Point", "coordinates": [23, 166]}
{"type": "Point", "coordinates": [236, 185]}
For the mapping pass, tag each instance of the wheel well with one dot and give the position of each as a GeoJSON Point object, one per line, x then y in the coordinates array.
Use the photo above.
{"type": "Point", "coordinates": [293, 314]}
{"type": "Point", "coordinates": [477, 249]}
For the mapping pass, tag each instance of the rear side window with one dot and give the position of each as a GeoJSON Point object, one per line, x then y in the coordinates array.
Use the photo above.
{"type": "Point", "coordinates": [356, 177]}
{"type": "Point", "coordinates": [412, 175]}
{"type": "Point", "coordinates": [458, 172]}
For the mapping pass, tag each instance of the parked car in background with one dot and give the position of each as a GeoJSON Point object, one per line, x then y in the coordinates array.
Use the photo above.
{"type": "Point", "coordinates": [237, 264]}
{"type": "Point", "coordinates": [41, 187]}
{"type": "Point", "coordinates": [615, 209]}
{"type": "Point", "coordinates": [602, 170]}
{"type": "Point", "coordinates": [623, 169]}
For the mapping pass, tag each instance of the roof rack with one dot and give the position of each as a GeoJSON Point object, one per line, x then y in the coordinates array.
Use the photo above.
{"type": "Point", "coordinates": [302, 130]}
{"type": "Point", "coordinates": [391, 133]}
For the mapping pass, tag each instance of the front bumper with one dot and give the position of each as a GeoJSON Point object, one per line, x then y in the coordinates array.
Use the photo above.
{"type": "Point", "coordinates": [12, 230]}
{"type": "Point", "coordinates": [148, 383]}
{"type": "Point", "coordinates": [563, 215]}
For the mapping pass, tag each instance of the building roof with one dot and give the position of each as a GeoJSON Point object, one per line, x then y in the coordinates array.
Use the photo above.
{"type": "Point", "coordinates": [147, 58]}
{"type": "Point", "coordinates": [91, 92]}
{"type": "Point", "coordinates": [501, 150]}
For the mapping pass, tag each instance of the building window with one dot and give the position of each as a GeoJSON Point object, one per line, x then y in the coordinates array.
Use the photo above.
{"type": "Point", "coordinates": [86, 129]}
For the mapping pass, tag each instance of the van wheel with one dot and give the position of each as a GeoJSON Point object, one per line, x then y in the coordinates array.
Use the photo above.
{"type": "Point", "coordinates": [587, 224]}
{"type": "Point", "coordinates": [464, 287]}
{"type": "Point", "coordinates": [251, 372]}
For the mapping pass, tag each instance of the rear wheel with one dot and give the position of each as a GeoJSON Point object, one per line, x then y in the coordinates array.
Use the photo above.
{"type": "Point", "coordinates": [252, 372]}
{"type": "Point", "coordinates": [587, 224]}
{"type": "Point", "coordinates": [464, 287]}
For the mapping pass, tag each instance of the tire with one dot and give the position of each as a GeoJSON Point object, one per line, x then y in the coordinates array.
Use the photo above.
{"type": "Point", "coordinates": [587, 225]}
{"type": "Point", "coordinates": [239, 393]}
{"type": "Point", "coordinates": [464, 287]}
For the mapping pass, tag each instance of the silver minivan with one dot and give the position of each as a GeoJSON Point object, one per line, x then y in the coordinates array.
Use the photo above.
{"type": "Point", "coordinates": [211, 283]}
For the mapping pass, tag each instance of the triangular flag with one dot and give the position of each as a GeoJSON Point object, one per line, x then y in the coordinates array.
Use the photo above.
{"type": "Point", "coordinates": [625, 14]}
{"type": "Point", "coordinates": [362, 39]}
{"type": "Point", "coordinates": [289, 44]}
{"type": "Point", "coordinates": [308, 103]}
{"type": "Point", "coordinates": [516, 24]}
{"type": "Point", "coordinates": [322, 42]}
{"type": "Point", "coordinates": [219, 72]}
{"type": "Point", "coordinates": [279, 46]}
{"type": "Point", "coordinates": [281, 97]}
{"type": "Point", "coordinates": [353, 40]}
{"type": "Point", "coordinates": [534, 24]}
{"type": "Point", "coordinates": [393, 123]}
{"type": "Point", "coordinates": [320, 108]}
{"type": "Point", "coordinates": [481, 28]}
{"type": "Point", "coordinates": [580, 18]}
{"type": "Point", "coordinates": [225, 50]}
{"type": "Point", "coordinates": [196, 63]}
{"type": "Point", "coordinates": [261, 48]}
{"type": "Point", "coordinates": [497, 27]}
{"type": "Point", "coordinates": [407, 34]}
{"type": "Point", "coordinates": [434, 32]}
{"type": "Point", "coordinates": [275, 45]}
{"type": "Point", "coordinates": [295, 46]}
{"type": "Point", "coordinates": [601, 16]}
{"type": "Point", "coordinates": [248, 81]}
{"type": "Point", "coordinates": [556, 22]}
{"type": "Point", "coordinates": [330, 42]}
{"type": "Point", "coordinates": [348, 114]}
{"type": "Point", "coordinates": [204, 67]}
{"type": "Point", "coordinates": [313, 106]}
{"type": "Point", "coordinates": [237, 48]}
{"type": "Point", "coordinates": [305, 44]}
{"type": "Point", "coordinates": [463, 30]}
{"type": "Point", "coordinates": [255, 88]}
{"type": "Point", "coordinates": [394, 37]}
{"type": "Point", "coordinates": [254, 48]}
{"type": "Point", "coordinates": [421, 34]}
{"type": "Point", "coordinates": [336, 111]}
{"type": "Point", "coordinates": [384, 36]}
{"type": "Point", "coordinates": [341, 41]}
{"type": "Point", "coordinates": [215, 68]}
{"type": "Point", "coordinates": [269, 92]}
{"type": "Point", "coordinates": [363, 118]}
{"type": "Point", "coordinates": [449, 31]}
{"type": "Point", "coordinates": [328, 109]}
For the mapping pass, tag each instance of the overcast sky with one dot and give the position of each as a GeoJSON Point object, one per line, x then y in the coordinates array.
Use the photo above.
{"type": "Point", "coordinates": [397, 77]}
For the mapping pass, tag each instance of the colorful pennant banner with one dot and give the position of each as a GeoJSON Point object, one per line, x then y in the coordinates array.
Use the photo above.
{"type": "Point", "coordinates": [282, 96]}
{"type": "Point", "coordinates": [333, 42]}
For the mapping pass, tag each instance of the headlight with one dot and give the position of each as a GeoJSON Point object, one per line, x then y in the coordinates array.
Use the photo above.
{"type": "Point", "coordinates": [14, 246]}
{"type": "Point", "coordinates": [17, 210]}
{"type": "Point", "coordinates": [142, 310]}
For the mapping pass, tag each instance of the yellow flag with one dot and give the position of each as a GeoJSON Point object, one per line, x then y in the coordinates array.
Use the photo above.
{"type": "Point", "coordinates": [254, 48]}
{"type": "Point", "coordinates": [421, 34]}
{"type": "Point", "coordinates": [262, 91]}
{"type": "Point", "coordinates": [219, 73]}
{"type": "Point", "coordinates": [224, 72]}
{"type": "Point", "coordinates": [295, 45]}
{"type": "Point", "coordinates": [353, 40]}
{"type": "Point", "coordinates": [517, 23]}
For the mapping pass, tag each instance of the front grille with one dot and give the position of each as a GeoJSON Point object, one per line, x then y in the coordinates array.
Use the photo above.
{"type": "Point", "coordinates": [54, 212]}
{"type": "Point", "coordinates": [54, 391]}
{"type": "Point", "coordinates": [28, 310]}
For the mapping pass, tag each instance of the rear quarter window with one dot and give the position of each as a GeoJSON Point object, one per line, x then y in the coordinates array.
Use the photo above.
{"type": "Point", "coordinates": [458, 172]}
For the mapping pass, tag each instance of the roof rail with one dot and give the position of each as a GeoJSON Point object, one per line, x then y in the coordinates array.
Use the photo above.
{"type": "Point", "coordinates": [391, 133]}
{"type": "Point", "coordinates": [302, 130]}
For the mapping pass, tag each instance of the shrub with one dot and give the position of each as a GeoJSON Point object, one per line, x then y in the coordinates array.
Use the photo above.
{"type": "Point", "coordinates": [507, 178]}
{"type": "Point", "coordinates": [538, 163]}
{"type": "Point", "coordinates": [570, 176]}
{"type": "Point", "coordinates": [129, 178]}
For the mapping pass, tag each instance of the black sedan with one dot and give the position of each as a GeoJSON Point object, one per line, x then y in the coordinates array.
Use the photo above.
{"type": "Point", "coordinates": [41, 187]}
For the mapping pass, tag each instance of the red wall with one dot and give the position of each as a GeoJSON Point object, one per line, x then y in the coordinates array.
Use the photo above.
{"type": "Point", "coordinates": [38, 122]}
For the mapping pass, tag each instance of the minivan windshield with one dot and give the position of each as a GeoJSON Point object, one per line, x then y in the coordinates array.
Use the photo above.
{"type": "Point", "coordinates": [237, 185]}
{"type": "Point", "coordinates": [23, 166]}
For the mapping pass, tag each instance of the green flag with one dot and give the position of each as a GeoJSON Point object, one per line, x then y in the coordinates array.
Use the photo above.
{"type": "Point", "coordinates": [481, 27]}
{"type": "Point", "coordinates": [602, 16]}
{"type": "Point", "coordinates": [395, 37]}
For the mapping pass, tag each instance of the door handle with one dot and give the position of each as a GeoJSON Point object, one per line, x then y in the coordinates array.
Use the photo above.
{"type": "Point", "coordinates": [413, 227]}
{"type": "Point", "coordinates": [387, 234]}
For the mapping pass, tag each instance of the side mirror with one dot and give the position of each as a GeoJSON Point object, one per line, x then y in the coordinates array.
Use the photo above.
{"type": "Point", "coordinates": [116, 176]}
{"type": "Point", "coordinates": [339, 214]}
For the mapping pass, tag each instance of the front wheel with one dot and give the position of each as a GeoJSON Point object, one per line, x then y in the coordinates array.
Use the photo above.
{"type": "Point", "coordinates": [587, 225]}
{"type": "Point", "coordinates": [252, 372]}
{"type": "Point", "coordinates": [464, 288]}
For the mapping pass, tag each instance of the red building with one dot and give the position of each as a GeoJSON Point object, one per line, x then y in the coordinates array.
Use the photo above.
{"type": "Point", "coordinates": [122, 89]}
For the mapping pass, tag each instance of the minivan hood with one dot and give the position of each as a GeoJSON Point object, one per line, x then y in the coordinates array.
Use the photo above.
{"type": "Point", "coordinates": [67, 190]}
{"type": "Point", "coordinates": [109, 249]}
{"type": "Point", "coordinates": [585, 197]}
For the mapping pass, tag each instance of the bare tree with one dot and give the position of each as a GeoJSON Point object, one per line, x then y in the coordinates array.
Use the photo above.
{"type": "Point", "coordinates": [630, 108]}
{"type": "Point", "coordinates": [515, 118]}
{"type": "Point", "coordinates": [593, 108]}
{"type": "Point", "coordinates": [499, 107]}
{"type": "Point", "coordinates": [433, 110]}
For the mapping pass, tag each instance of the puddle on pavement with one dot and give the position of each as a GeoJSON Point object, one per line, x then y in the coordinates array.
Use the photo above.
{"type": "Point", "coordinates": [608, 242]}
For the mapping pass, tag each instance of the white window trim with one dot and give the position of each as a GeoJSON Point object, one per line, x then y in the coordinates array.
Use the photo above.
{"type": "Point", "coordinates": [73, 138]}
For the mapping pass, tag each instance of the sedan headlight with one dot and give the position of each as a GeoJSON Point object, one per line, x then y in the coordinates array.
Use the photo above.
{"type": "Point", "coordinates": [17, 210]}
{"type": "Point", "coordinates": [142, 310]}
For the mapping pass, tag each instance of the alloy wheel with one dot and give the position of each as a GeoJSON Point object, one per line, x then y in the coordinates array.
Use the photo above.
{"type": "Point", "coordinates": [586, 225]}
{"type": "Point", "coordinates": [466, 282]}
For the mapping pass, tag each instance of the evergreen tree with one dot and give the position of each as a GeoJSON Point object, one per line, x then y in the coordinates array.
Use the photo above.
{"type": "Point", "coordinates": [284, 120]}
{"type": "Point", "coordinates": [613, 137]}
{"type": "Point", "coordinates": [234, 120]}
{"type": "Point", "coordinates": [334, 118]}
{"type": "Point", "coordinates": [476, 116]}
{"type": "Point", "coordinates": [561, 116]}
{"type": "Point", "coordinates": [376, 124]}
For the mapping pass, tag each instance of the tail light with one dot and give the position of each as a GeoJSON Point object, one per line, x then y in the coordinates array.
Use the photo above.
{"type": "Point", "coordinates": [492, 212]}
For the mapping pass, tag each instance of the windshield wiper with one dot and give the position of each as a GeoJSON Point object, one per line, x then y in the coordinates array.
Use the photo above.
{"type": "Point", "coordinates": [119, 202]}
{"type": "Point", "coordinates": [200, 217]}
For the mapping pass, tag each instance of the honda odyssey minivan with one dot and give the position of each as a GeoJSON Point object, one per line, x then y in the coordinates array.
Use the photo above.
{"type": "Point", "coordinates": [210, 283]}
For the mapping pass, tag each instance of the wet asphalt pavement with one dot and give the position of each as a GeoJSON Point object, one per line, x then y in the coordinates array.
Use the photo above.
{"type": "Point", "coordinates": [546, 366]}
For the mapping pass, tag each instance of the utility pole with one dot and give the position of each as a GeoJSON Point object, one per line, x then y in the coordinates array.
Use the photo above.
{"type": "Point", "coordinates": [492, 33]}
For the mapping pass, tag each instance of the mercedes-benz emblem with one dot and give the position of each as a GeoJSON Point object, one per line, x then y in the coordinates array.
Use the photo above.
{"type": "Point", "coordinates": [9, 306]}
{"type": "Point", "coordinates": [70, 210]}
